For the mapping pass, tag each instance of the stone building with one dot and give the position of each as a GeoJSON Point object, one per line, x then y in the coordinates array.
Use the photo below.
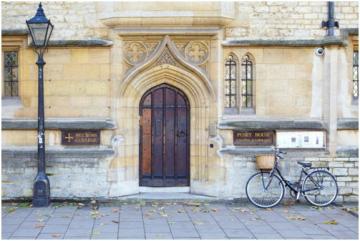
{"type": "Point", "coordinates": [181, 95]}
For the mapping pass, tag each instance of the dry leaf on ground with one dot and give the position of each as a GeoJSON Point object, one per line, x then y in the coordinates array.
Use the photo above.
{"type": "Point", "coordinates": [296, 217]}
{"type": "Point", "coordinates": [332, 222]}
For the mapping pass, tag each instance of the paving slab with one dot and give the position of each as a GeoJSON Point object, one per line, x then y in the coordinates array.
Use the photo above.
{"type": "Point", "coordinates": [187, 219]}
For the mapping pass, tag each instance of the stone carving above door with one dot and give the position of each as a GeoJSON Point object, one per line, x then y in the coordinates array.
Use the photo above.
{"type": "Point", "coordinates": [197, 52]}
{"type": "Point", "coordinates": [166, 58]}
{"type": "Point", "coordinates": [135, 52]}
{"type": "Point", "coordinates": [138, 50]}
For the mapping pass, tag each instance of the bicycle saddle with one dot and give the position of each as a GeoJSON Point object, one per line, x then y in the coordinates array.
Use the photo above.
{"type": "Point", "coordinates": [304, 164]}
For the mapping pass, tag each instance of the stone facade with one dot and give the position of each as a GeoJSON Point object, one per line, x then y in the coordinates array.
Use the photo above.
{"type": "Point", "coordinates": [103, 57]}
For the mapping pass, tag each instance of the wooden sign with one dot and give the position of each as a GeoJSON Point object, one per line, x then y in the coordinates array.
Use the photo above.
{"type": "Point", "coordinates": [254, 138]}
{"type": "Point", "coordinates": [80, 137]}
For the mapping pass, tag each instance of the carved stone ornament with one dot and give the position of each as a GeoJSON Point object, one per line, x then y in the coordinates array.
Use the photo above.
{"type": "Point", "coordinates": [166, 58]}
{"type": "Point", "coordinates": [196, 52]}
{"type": "Point", "coordinates": [135, 52]}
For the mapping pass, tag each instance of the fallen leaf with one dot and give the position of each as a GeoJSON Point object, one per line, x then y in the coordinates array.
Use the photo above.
{"type": "Point", "coordinates": [163, 214]}
{"type": "Point", "coordinates": [198, 222]}
{"type": "Point", "coordinates": [95, 214]}
{"type": "Point", "coordinates": [196, 204]}
{"type": "Point", "coordinates": [80, 205]}
{"type": "Point", "coordinates": [142, 203]}
{"type": "Point", "coordinates": [11, 210]}
{"type": "Point", "coordinates": [214, 209]}
{"type": "Point", "coordinates": [39, 225]}
{"type": "Point", "coordinates": [24, 205]}
{"type": "Point", "coordinates": [180, 211]}
{"type": "Point", "coordinates": [296, 217]}
{"type": "Point", "coordinates": [55, 235]}
{"type": "Point", "coordinates": [114, 221]}
{"type": "Point", "coordinates": [243, 210]}
{"type": "Point", "coordinates": [115, 210]}
{"type": "Point", "coordinates": [332, 222]}
{"type": "Point", "coordinates": [315, 207]}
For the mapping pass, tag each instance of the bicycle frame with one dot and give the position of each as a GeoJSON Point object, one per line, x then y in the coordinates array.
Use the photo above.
{"type": "Point", "coordinates": [289, 184]}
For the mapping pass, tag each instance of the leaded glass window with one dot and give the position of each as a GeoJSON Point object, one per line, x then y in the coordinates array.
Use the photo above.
{"type": "Point", "coordinates": [230, 82]}
{"type": "Point", "coordinates": [10, 73]}
{"type": "Point", "coordinates": [247, 82]}
{"type": "Point", "coordinates": [356, 75]}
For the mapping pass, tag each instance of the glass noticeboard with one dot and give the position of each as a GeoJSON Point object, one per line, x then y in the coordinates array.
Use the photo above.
{"type": "Point", "coordinates": [300, 139]}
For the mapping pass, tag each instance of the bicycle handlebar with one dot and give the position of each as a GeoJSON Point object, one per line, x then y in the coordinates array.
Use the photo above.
{"type": "Point", "coordinates": [278, 152]}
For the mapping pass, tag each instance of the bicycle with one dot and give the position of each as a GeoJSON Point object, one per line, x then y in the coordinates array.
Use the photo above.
{"type": "Point", "coordinates": [266, 189]}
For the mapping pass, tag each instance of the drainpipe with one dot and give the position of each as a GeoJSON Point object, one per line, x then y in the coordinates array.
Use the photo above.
{"type": "Point", "coordinates": [330, 24]}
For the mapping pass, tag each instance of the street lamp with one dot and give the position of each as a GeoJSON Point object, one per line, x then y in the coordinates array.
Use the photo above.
{"type": "Point", "coordinates": [40, 30]}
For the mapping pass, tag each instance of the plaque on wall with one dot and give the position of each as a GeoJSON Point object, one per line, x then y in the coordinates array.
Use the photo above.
{"type": "Point", "coordinates": [80, 137]}
{"type": "Point", "coordinates": [254, 138]}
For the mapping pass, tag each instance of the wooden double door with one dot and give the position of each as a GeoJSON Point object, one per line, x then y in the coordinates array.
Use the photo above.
{"type": "Point", "coordinates": [164, 138]}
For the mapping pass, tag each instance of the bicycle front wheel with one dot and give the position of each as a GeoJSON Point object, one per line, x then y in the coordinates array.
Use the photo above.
{"type": "Point", "coordinates": [264, 191]}
{"type": "Point", "coordinates": [320, 188]}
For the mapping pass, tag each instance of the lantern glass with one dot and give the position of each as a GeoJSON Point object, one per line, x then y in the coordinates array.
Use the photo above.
{"type": "Point", "coordinates": [40, 29]}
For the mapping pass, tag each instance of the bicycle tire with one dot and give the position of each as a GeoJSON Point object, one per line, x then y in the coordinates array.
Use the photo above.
{"type": "Point", "coordinates": [276, 181]}
{"type": "Point", "coordinates": [311, 197]}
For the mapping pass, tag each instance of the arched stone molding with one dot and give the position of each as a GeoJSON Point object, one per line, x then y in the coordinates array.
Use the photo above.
{"type": "Point", "coordinates": [192, 81]}
{"type": "Point", "coordinates": [167, 44]}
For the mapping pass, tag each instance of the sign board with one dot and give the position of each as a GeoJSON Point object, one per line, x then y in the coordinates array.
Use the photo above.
{"type": "Point", "coordinates": [254, 138]}
{"type": "Point", "coordinates": [80, 137]}
{"type": "Point", "coordinates": [300, 139]}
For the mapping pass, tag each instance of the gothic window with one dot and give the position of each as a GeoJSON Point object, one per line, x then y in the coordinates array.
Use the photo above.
{"type": "Point", "coordinates": [247, 82]}
{"type": "Point", "coordinates": [10, 74]}
{"type": "Point", "coordinates": [355, 75]}
{"type": "Point", "coordinates": [230, 82]}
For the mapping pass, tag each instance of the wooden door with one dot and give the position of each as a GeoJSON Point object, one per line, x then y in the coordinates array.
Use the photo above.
{"type": "Point", "coordinates": [164, 138]}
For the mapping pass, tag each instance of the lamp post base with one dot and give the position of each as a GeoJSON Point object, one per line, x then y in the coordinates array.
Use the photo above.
{"type": "Point", "coordinates": [41, 195]}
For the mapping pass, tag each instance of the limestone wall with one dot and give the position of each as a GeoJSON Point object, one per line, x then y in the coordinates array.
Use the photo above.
{"type": "Point", "coordinates": [283, 79]}
{"type": "Point", "coordinates": [288, 20]}
{"type": "Point", "coordinates": [252, 20]}
{"type": "Point", "coordinates": [77, 82]}
{"type": "Point", "coordinates": [240, 168]}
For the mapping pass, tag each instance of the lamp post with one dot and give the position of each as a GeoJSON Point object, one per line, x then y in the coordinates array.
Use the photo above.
{"type": "Point", "coordinates": [40, 30]}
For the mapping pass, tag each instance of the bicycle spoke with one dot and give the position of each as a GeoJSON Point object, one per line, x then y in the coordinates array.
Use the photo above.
{"type": "Point", "coordinates": [320, 188]}
{"type": "Point", "coordinates": [264, 190]}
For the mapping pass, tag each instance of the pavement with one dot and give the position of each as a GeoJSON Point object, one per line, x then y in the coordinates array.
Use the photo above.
{"type": "Point", "coordinates": [182, 219]}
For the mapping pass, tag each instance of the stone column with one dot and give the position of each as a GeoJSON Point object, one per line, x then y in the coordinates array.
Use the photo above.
{"type": "Point", "coordinates": [330, 89]}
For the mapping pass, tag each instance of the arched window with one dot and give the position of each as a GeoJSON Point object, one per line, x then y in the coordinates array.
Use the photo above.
{"type": "Point", "coordinates": [247, 82]}
{"type": "Point", "coordinates": [230, 82]}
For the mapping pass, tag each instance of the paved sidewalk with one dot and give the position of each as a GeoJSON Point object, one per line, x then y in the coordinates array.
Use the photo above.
{"type": "Point", "coordinates": [189, 219]}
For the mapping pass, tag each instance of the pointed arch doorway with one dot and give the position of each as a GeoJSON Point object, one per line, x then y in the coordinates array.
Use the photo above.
{"type": "Point", "coordinates": [164, 138]}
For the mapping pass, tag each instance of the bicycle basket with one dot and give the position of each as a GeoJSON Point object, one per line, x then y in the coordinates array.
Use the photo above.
{"type": "Point", "coordinates": [265, 162]}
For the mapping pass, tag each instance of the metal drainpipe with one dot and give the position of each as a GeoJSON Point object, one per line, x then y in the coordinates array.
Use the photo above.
{"type": "Point", "coordinates": [330, 24]}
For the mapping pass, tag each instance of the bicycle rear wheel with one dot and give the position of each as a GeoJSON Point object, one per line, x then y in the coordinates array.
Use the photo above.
{"type": "Point", "coordinates": [264, 191]}
{"type": "Point", "coordinates": [320, 188]}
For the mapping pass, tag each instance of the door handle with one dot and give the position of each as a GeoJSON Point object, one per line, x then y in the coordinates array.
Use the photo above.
{"type": "Point", "coordinates": [181, 133]}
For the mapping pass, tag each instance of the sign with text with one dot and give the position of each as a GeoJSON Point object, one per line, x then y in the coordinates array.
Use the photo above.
{"type": "Point", "coordinates": [80, 137]}
{"type": "Point", "coordinates": [254, 138]}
